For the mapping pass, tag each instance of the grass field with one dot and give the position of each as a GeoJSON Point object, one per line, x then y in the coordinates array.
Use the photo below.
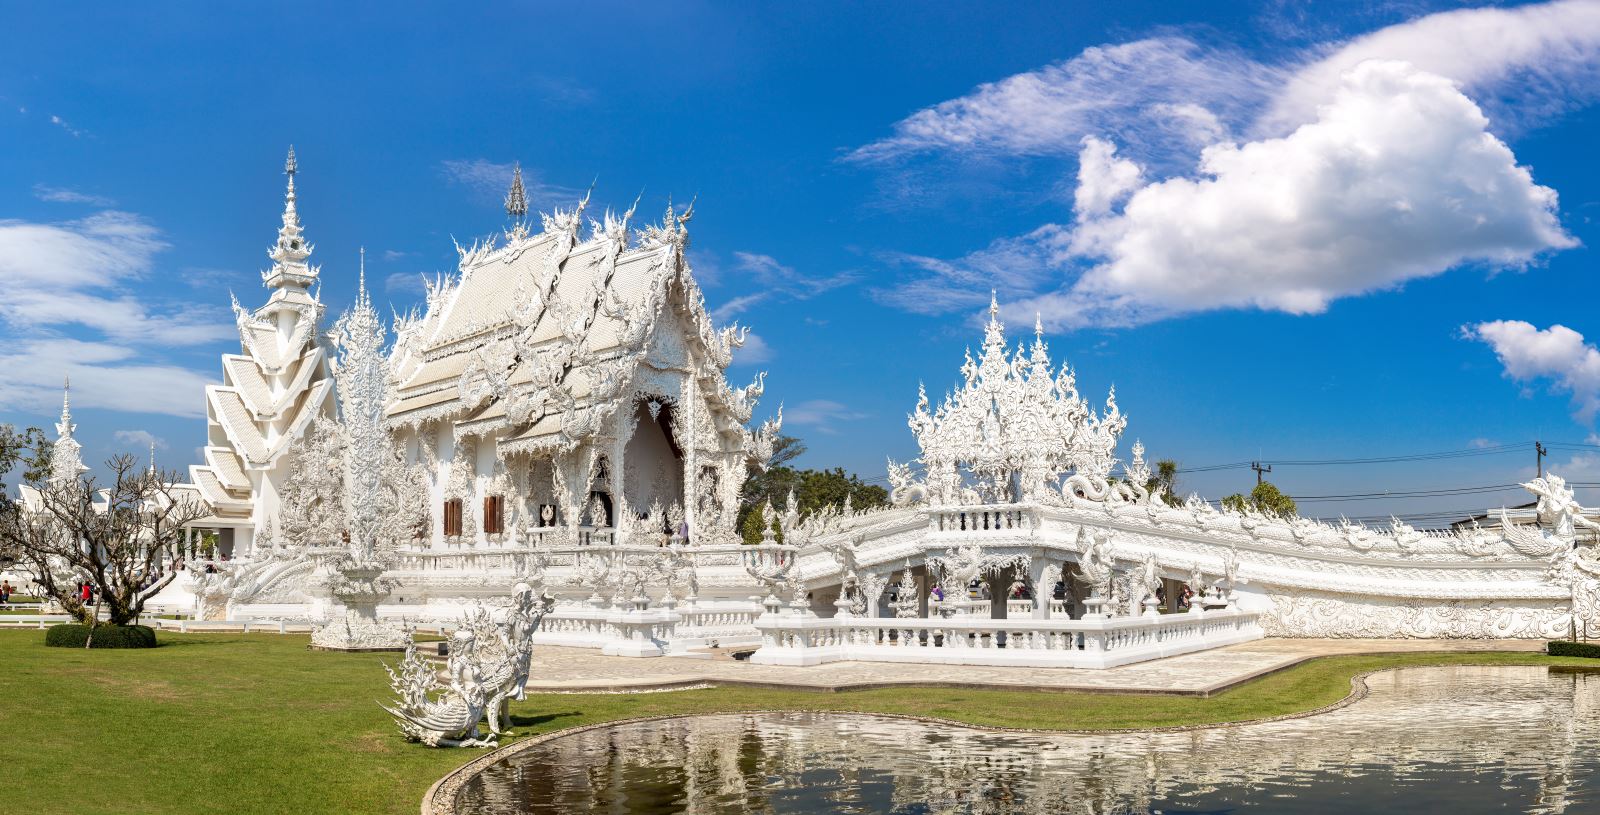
{"type": "Point", "coordinates": [244, 724]}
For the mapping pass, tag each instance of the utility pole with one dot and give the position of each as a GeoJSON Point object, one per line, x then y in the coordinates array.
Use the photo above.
{"type": "Point", "coordinates": [1260, 468]}
{"type": "Point", "coordinates": [1540, 452]}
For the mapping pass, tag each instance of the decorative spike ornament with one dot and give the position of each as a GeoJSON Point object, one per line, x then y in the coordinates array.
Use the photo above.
{"type": "Point", "coordinates": [517, 197]}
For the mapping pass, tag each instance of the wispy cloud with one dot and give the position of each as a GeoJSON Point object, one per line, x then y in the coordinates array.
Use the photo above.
{"type": "Point", "coordinates": [822, 415]}
{"type": "Point", "coordinates": [776, 282]}
{"type": "Point", "coordinates": [104, 375]}
{"type": "Point", "coordinates": [488, 181]}
{"type": "Point", "coordinates": [65, 125]}
{"type": "Point", "coordinates": [755, 351]}
{"type": "Point", "coordinates": [63, 195]}
{"type": "Point", "coordinates": [75, 305]}
{"type": "Point", "coordinates": [1146, 92]}
{"type": "Point", "coordinates": [404, 283]}
{"type": "Point", "coordinates": [141, 440]}
{"type": "Point", "coordinates": [76, 273]}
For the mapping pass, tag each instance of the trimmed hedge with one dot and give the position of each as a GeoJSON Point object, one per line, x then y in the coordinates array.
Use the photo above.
{"type": "Point", "coordinates": [1568, 648]}
{"type": "Point", "coordinates": [74, 635]}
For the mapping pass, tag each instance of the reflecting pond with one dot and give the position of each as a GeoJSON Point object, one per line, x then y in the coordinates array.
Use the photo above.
{"type": "Point", "coordinates": [1461, 740]}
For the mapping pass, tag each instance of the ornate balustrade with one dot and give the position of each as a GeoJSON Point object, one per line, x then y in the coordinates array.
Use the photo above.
{"type": "Point", "coordinates": [1089, 643]}
{"type": "Point", "coordinates": [721, 625]}
{"type": "Point", "coordinates": [998, 519]}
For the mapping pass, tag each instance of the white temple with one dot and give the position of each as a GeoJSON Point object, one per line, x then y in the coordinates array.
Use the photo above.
{"type": "Point", "coordinates": [270, 391]}
{"type": "Point", "coordinates": [559, 415]}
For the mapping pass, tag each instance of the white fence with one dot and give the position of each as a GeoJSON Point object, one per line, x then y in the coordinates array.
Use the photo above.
{"type": "Point", "coordinates": [1088, 643]}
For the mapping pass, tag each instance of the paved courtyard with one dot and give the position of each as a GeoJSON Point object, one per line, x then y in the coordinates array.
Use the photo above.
{"type": "Point", "coordinates": [1199, 673]}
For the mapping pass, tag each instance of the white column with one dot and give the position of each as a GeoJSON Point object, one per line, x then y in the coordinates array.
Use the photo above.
{"type": "Point", "coordinates": [1040, 571]}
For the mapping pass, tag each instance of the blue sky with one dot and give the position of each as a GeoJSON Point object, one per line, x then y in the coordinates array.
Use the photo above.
{"type": "Point", "coordinates": [1285, 231]}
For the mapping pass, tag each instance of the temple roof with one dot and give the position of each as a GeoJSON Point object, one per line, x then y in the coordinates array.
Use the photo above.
{"type": "Point", "coordinates": [539, 335]}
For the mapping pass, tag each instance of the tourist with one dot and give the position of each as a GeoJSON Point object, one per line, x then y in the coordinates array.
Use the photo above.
{"type": "Point", "coordinates": [5, 592]}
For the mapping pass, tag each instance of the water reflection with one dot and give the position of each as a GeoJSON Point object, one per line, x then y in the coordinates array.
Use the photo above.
{"type": "Point", "coordinates": [1427, 739]}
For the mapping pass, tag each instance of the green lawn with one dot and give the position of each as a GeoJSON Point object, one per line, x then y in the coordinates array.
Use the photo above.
{"type": "Point", "coordinates": [242, 724]}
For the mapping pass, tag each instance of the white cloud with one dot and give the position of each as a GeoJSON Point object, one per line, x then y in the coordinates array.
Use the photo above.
{"type": "Point", "coordinates": [1281, 183]}
{"type": "Point", "coordinates": [75, 304]}
{"type": "Point", "coordinates": [489, 181]}
{"type": "Point", "coordinates": [1164, 97]}
{"type": "Point", "coordinates": [820, 414]}
{"type": "Point", "coordinates": [140, 440]}
{"type": "Point", "coordinates": [1556, 353]}
{"type": "Point", "coordinates": [77, 273]}
{"type": "Point", "coordinates": [1397, 179]}
{"type": "Point", "coordinates": [1548, 54]}
{"type": "Point", "coordinates": [63, 195]}
{"type": "Point", "coordinates": [1103, 179]}
{"type": "Point", "coordinates": [103, 375]}
{"type": "Point", "coordinates": [394, 254]}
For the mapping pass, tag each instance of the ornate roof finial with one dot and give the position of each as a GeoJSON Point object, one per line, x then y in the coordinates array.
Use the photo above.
{"type": "Point", "coordinates": [994, 306]}
{"type": "Point", "coordinates": [66, 461]}
{"type": "Point", "coordinates": [152, 456]}
{"type": "Point", "coordinates": [517, 198]}
{"type": "Point", "coordinates": [65, 427]}
{"type": "Point", "coordinates": [290, 252]}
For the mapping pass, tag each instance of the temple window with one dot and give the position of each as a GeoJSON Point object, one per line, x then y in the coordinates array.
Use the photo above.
{"type": "Point", "coordinates": [452, 517]}
{"type": "Point", "coordinates": [494, 514]}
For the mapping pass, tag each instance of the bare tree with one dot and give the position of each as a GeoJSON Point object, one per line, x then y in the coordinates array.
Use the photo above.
{"type": "Point", "coordinates": [118, 538]}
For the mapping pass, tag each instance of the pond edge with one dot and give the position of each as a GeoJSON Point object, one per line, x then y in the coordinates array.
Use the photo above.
{"type": "Point", "coordinates": [440, 799]}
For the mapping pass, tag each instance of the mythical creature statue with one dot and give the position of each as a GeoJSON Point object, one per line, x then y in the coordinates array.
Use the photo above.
{"type": "Point", "coordinates": [438, 714]}
{"type": "Point", "coordinates": [1559, 513]}
{"type": "Point", "coordinates": [507, 676]}
{"type": "Point", "coordinates": [1095, 563]}
{"type": "Point", "coordinates": [904, 490]}
{"type": "Point", "coordinates": [488, 667]}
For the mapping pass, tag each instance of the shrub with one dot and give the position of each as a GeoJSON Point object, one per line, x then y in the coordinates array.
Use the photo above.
{"type": "Point", "coordinates": [1568, 648]}
{"type": "Point", "coordinates": [74, 635]}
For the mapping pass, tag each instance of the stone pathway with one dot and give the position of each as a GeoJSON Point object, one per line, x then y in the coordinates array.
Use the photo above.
{"type": "Point", "coordinates": [1201, 674]}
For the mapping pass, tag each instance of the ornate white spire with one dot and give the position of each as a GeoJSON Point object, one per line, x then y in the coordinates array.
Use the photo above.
{"type": "Point", "coordinates": [66, 459]}
{"type": "Point", "coordinates": [290, 252]}
{"type": "Point", "coordinates": [517, 198]}
{"type": "Point", "coordinates": [65, 427]}
{"type": "Point", "coordinates": [362, 371]}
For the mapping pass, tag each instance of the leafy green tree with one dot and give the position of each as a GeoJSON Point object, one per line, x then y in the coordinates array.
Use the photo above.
{"type": "Point", "coordinates": [1166, 478]}
{"type": "Point", "coordinates": [28, 448]}
{"type": "Point", "coordinates": [1266, 497]}
{"type": "Point", "coordinates": [812, 489]}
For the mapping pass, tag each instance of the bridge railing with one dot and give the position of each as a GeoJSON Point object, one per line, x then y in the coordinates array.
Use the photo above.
{"type": "Point", "coordinates": [1088, 643]}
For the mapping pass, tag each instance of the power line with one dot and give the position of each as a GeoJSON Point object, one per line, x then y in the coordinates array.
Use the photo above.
{"type": "Point", "coordinates": [1494, 450]}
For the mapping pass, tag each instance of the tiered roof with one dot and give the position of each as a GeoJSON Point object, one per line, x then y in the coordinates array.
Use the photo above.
{"type": "Point", "coordinates": [542, 336]}
{"type": "Point", "coordinates": [278, 383]}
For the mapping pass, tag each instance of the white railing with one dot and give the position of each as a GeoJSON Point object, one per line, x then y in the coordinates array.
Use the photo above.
{"type": "Point", "coordinates": [1014, 608]}
{"type": "Point", "coordinates": [724, 626]}
{"type": "Point", "coordinates": [33, 620]}
{"type": "Point", "coordinates": [999, 520]}
{"type": "Point", "coordinates": [1089, 643]}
